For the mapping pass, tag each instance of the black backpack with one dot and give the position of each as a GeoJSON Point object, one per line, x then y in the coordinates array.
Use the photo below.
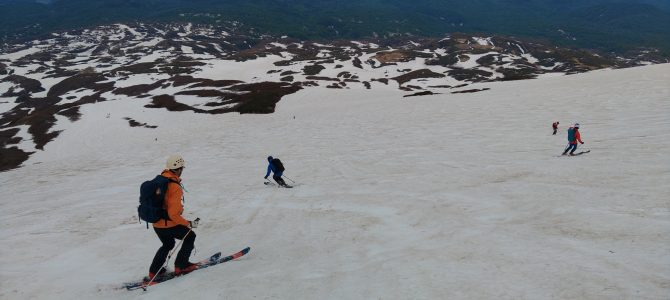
{"type": "Point", "coordinates": [278, 165]}
{"type": "Point", "coordinates": [152, 196]}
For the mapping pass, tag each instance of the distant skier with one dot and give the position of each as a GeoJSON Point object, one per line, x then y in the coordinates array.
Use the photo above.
{"type": "Point", "coordinates": [573, 138]}
{"type": "Point", "coordinates": [176, 227]}
{"type": "Point", "coordinates": [555, 127]}
{"type": "Point", "coordinates": [277, 168]}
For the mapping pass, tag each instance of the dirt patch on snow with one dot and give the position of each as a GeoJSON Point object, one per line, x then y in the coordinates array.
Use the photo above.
{"type": "Point", "coordinates": [422, 73]}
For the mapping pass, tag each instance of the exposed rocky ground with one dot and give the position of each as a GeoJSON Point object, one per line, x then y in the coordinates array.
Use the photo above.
{"type": "Point", "coordinates": [227, 68]}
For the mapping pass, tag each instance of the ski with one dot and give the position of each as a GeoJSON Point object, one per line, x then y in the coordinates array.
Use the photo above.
{"type": "Point", "coordinates": [167, 276]}
{"type": "Point", "coordinates": [274, 184]}
{"type": "Point", "coordinates": [576, 154]}
{"type": "Point", "coordinates": [205, 263]}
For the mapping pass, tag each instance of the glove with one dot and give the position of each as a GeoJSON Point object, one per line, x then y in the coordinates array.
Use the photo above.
{"type": "Point", "coordinates": [582, 143]}
{"type": "Point", "coordinates": [265, 177]}
{"type": "Point", "coordinates": [194, 224]}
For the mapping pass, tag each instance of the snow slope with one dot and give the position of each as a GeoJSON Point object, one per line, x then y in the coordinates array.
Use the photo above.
{"type": "Point", "coordinates": [453, 196]}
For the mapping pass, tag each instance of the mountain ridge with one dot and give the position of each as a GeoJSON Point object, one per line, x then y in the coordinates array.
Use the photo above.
{"type": "Point", "coordinates": [541, 19]}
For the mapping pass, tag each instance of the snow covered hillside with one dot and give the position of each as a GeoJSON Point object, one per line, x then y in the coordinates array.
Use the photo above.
{"type": "Point", "coordinates": [450, 196]}
{"type": "Point", "coordinates": [229, 68]}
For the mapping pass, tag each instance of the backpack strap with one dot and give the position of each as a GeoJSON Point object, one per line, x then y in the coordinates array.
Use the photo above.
{"type": "Point", "coordinates": [173, 181]}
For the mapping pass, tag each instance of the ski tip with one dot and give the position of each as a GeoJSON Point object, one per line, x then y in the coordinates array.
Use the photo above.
{"type": "Point", "coordinates": [246, 250]}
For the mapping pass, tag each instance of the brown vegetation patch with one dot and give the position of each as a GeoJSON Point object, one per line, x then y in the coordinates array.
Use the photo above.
{"type": "Point", "coordinates": [168, 102]}
{"type": "Point", "coordinates": [138, 89]}
{"type": "Point", "coordinates": [423, 73]}
{"type": "Point", "coordinates": [259, 98]}
{"type": "Point", "coordinates": [357, 63]}
{"type": "Point", "coordinates": [38, 114]}
{"type": "Point", "coordinates": [180, 66]}
{"type": "Point", "coordinates": [11, 158]}
{"type": "Point", "coordinates": [207, 93]}
{"type": "Point", "coordinates": [308, 83]}
{"type": "Point", "coordinates": [134, 123]}
{"type": "Point", "coordinates": [382, 80]}
{"type": "Point", "coordinates": [283, 63]}
{"type": "Point", "coordinates": [287, 73]}
{"type": "Point", "coordinates": [262, 97]}
{"type": "Point", "coordinates": [140, 68]}
{"type": "Point", "coordinates": [517, 74]}
{"type": "Point", "coordinates": [393, 56]}
{"type": "Point", "coordinates": [322, 78]}
{"type": "Point", "coordinates": [313, 69]}
{"type": "Point", "coordinates": [71, 113]}
{"type": "Point", "coordinates": [216, 83]}
{"type": "Point", "coordinates": [344, 74]}
{"type": "Point", "coordinates": [3, 69]}
{"type": "Point", "coordinates": [490, 59]}
{"type": "Point", "coordinates": [7, 137]}
{"type": "Point", "coordinates": [182, 80]}
{"type": "Point", "coordinates": [87, 81]}
{"type": "Point", "coordinates": [424, 93]}
{"type": "Point", "coordinates": [472, 75]}
{"type": "Point", "coordinates": [29, 85]}
{"type": "Point", "coordinates": [470, 91]}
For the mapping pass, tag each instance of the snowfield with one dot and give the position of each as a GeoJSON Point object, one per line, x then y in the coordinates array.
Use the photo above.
{"type": "Point", "coordinates": [450, 196]}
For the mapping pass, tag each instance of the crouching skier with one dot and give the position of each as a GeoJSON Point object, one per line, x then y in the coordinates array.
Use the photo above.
{"type": "Point", "coordinates": [277, 168]}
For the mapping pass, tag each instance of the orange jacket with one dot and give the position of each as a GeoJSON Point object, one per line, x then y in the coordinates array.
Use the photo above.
{"type": "Point", "coordinates": [173, 205]}
{"type": "Point", "coordinates": [578, 137]}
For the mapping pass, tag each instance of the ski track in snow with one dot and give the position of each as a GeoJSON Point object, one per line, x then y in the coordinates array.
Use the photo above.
{"type": "Point", "coordinates": [446, 196]}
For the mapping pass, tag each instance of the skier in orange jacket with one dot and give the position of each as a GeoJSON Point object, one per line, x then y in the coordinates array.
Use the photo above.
{"type": "Point", "coordinates": [175, 227]}
{"type": "Point", "coordinates": [573, 138]}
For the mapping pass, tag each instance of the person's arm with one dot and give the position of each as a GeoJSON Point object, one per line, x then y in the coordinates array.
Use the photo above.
{"type": "Point", "coordinates": [269, 169]}
{"type": "Point", "coordinates": [174, 205]}
{"type": "Point", "coordinates": [578, 136]}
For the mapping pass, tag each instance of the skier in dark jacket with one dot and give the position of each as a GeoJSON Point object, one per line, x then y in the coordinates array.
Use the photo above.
{"type": "Point", "coordinates": [273, 166]}
{"type": "Point", "coordinates": [555, 127]}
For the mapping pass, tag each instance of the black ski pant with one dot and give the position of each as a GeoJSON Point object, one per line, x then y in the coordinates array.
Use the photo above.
{"type": "Point", "coordinates": [279, 180]}
{"type": "Point", "coordinates": [555, 129]}
{"type": "Point", "coordinates": [167, 237]}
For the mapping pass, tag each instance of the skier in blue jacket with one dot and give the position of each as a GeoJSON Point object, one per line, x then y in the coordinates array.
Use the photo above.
{"type": "Point", "coordinates": [275, 166]}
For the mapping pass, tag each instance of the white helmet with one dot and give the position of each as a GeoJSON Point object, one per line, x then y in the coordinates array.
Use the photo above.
{"type": "Point", "coordinates": [576, 125]}
{"type": "Point", "coordinates": [174, 162]}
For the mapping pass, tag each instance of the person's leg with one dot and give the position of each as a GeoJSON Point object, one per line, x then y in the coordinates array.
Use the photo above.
{"type": "Point", "coordinates": [567, 149]}
{"type": "Point", "coordinates": [186, 247]}
{"type": "Point", "coordinates": [162, 253]}
{"type": "Point", "coordinates": [554, 131]}
{"type": "Point", "coordinates": [574, 147]}
{"type": "Point", "coordinates": [278, 180]}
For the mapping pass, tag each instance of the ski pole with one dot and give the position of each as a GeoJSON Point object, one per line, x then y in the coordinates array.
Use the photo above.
{"type": "Point", "coordinates": [168, 259]}
{"type": "Point", "coordinates": [288, 178]}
